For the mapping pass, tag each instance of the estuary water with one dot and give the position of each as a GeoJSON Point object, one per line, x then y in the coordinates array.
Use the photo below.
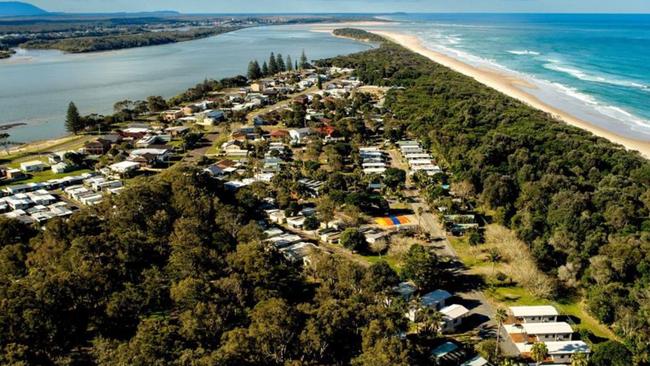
{"type": "Point", "coordinates": [36, 86]}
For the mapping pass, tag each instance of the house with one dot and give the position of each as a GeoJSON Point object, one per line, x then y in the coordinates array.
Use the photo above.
{"type": "Point", "coordinates": [299, 135]}
{"type": "Point", "coordinates": [476, 361]}
{"type": "Point", "coordinates": [539, 332]}
{"type": "Point", "coordinates": [296, 222]}
{"type": "Point", "coordinates": [234, 148]}
{"type": "Point", "coordinates": [97, 147]}
{"type": "Point", "coordinates": [209, 117]}
{"type": "Point", "coordinates": [14, 174]}
{"type": "Point", "coordinates": [406, 290]}
{"type": "Point", "coordinates": [301, 99]}
{"type": "Point", "coordinates": [59, 168]}
{"type": "Point", "coordinates": [313, 188]}
{"type": "Point", "coordinates": [299, 252]}
{"type": "Point", "coordinates": [284, 240]}
{"type": "Point", "coordinates": [279, 134]}
{"type": "Point", "coordinates": [374, 236]}
{"type": "Point", "coordinates": [453, 316]}
{"type": "Point", "coordinates": [276, 216]}
{"type": "Point", "coordinates": [259, 121]}
{"type": "Point", "coordinates": [227, 163]}
{"type": "Point", "coordinates": [149, 140]}
{"type": "Point", "coordinates": [270, 233]}
{"type": "Point", "coordinates": [176, 131]}
{"type": "Point", "coordinates": [190, 109]}
{"type": "Point", "coordinates": [32, 166]}
{"type": "Point", "coordinates": [272, 164]}
{"type": "Point", "coordinates": [55, 158]}
{"type": "Point", "coordinates": [124, 168]}
{"type": "Point", "coordinates": [435, 299]}
{"type": "Point", "coordinates": [534, 314]}
{"type": "Point", "coordinates": [259, 86]}
{"type": "Point", "coordinates": [135, 132]}
{"type": "Point", "coordinates": [329, 235]}
{"type": "Point", "coordinates": [215, 171]}
{"type": "Point", "coordinates": [149, 156]}
{"type": "Point", "coordinates": [558, 352]}
{"type": "Point", "coordinates": [172, 115]}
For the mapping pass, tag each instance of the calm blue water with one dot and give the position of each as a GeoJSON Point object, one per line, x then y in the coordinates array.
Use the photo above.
{"type": "Point", "coordinates": [595, 66]}
{"type": "Point", "coordinates": [598, 66]}
{"type": "Point", "coordinates": [36, 86]}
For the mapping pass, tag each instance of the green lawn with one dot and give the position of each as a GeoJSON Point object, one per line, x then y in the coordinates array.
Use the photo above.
{"type": "Point", "coordinates": [47, 175]}
{"type": "Point", "coordinates": [517, 295]}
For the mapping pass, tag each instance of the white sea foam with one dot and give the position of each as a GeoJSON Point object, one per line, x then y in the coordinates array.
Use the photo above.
{"type": "Point", "coordinates": [582, 75]}
{"type": "Point", "coordinates": [579, 99]}
{"type": "Point", "coordinates": [634, 122]}
{"type": "Point", "coordinates": [524, 53]}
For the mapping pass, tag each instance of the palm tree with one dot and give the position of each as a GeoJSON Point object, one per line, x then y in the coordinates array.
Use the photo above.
{"type": "Point", "coordinates": [500, 316]}
{"type": "Point", "coordinates": [579, 359]}
{"type": "Point", "coordinates": [539, 352]}
{"type": "Point", "coordinates": [494, 257]}
{"type": "Point", "coordinates": [430, 320]}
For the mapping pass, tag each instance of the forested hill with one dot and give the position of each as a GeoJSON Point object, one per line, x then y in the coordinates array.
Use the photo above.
{"type": "Point", "coordinates": [16, 8]}
{"type": "Point", "coordinates": [580, 202]}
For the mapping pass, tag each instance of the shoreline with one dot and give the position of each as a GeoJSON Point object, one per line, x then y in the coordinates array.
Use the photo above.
{"type": "Point", "coordinates": [510, 86]}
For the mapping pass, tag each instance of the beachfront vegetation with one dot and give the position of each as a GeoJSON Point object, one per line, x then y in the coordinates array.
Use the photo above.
{"type": "Point", "coordinates": [358, 34]}
{"type": "Point", "coordinates": [275, 64]}
{"type": "Point", "coordinates": [580, 203]}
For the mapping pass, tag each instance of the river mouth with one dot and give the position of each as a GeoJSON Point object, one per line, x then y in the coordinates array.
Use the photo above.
{"type": "Point", "coordinates": [44, 82]}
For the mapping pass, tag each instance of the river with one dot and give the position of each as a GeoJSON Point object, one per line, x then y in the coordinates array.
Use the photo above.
{"type": "Point", "coordinates": [36, 86]}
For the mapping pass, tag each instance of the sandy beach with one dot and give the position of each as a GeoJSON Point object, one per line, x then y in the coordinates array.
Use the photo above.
{"type": "Point", "coordinates": [509, 85]}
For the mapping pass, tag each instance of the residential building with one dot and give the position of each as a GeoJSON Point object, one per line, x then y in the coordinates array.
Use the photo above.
{"type": "Point", "coordinates": [32, 166]}
{"type": "Point", "coordinates": [558, 352]}
{"type": "Point", "coordinates": [453, 316]}
{"type": "Point", "coordinates": [534, 314]}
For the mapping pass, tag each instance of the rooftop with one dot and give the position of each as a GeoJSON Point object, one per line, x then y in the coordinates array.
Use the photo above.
{"type": "Point", "coordinates": [559, 348]}
{"type": "Point", "coordinates": [540, 328]}
{"type": "Point", "coordinates": [541, 310]}
{"type": "Point", "coordinates": [454, 311]}
{"type": "Point", "coordinates": [444, 349]}
{"type": "Point", "coordinates": [435, 297]}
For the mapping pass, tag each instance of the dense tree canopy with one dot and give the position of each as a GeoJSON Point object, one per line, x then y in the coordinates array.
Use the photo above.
{"type": "Point", "coordinates": [580, 202]}
{"type": "Point", "coordinates": [173, 272]}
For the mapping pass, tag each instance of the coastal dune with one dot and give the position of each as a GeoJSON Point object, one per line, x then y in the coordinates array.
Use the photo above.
{"type": "Point", "coordinates": [509, 85]}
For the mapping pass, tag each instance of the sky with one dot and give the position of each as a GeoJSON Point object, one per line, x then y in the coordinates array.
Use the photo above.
{"type": "Point", "coordinates": [340, 6]}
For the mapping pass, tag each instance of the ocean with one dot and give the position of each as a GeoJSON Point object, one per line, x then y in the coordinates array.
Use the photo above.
{"type": "Point", "coordinates": [597, 67]}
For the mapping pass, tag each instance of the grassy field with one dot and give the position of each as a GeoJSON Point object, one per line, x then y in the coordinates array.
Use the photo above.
{"type": "Point", "coordinates": [47, 175]}
{"type": "Point", "coordinates": [393, 262]}
{"type": "Point", "coordinates": [33, 150]}
{"type": "Point", "coordinates": [520, 288]}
